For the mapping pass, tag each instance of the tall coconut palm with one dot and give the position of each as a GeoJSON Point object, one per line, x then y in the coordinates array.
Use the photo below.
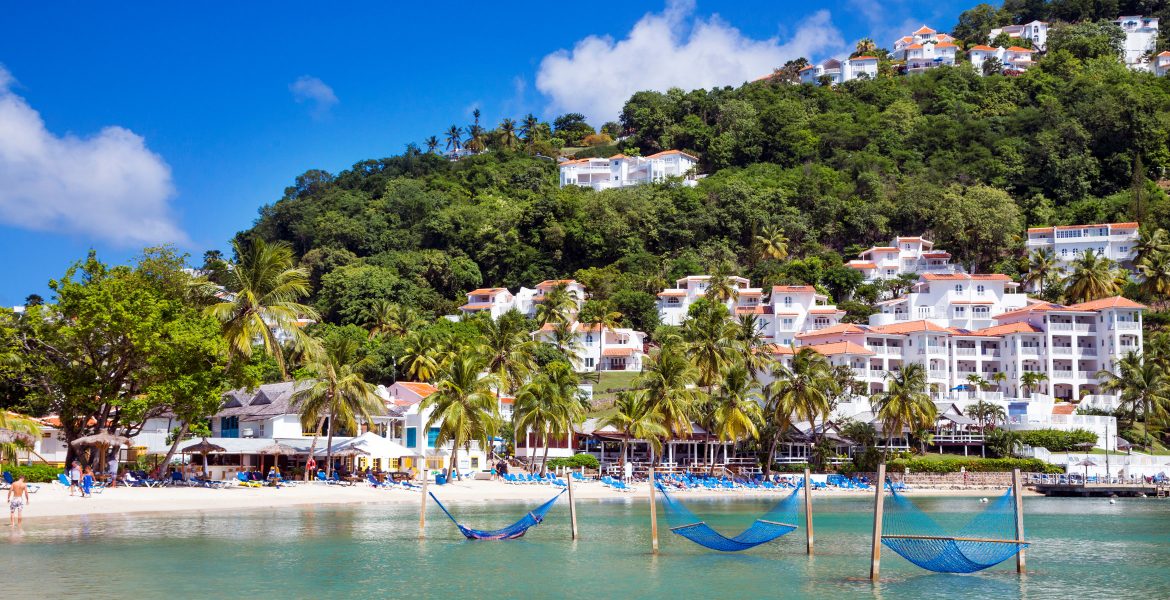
{"type": "Point", "coordinates": [976, 383]}
{"type": "Point", "coordinates": [264, 289]}
{"type": "Point", "coordinates": [1031, 380]}
{"type": "Point", "coordinates": [424, 356]}
{"type": "Point", "coordinates": [771, 243]}
{"type": "Point", "coordinates": [464, 408]}
{"type": "Point", "coordinates": [1154, 269]}
{"type": "Point", "coordinates": [432, 144]}
{"type": "Point", "coordinates": [736, 407]}
{"type": "Point", "coordinates": [865, 46]}
{"type": "Point", "coordinates": [392, 319]}
{"type": "Point", "coordinates": [1043, 267]}
{"type": "Point", "coordinates": [565, 339]}
{"type": "Point", "coordinates": [634, 416]}
{"type": "Point", "coordinates": [17, 433]}
{"type": "Point", "coordinates": [529, 128]}
{"type": "Point", "coordinates": [550, 405]}
{"type": "Point", "coordinates": [668, 380]}
{"type": "Point", "coordinates": [454, 138]}
{"type": "Point", "coordinates": [339, 394]}
{"type": "Point", "coordinates": [508, 137]}
{"type": "Point", "coordinates": [1093, 277]}
{"type": "Point", "coordinates": [999, 378]}
{"type": "Point", "coordinates": [1150, 241]}
{"type": "Point", "coordinates": [720, 288]}
{"type": "Point", "coordinates": [905, 404]}
{"type": "Point", "coordinates": [802, 389]}
{"type": "Point", "coordinates": [600, 317]}
{"type": "Point", "coordinates": [510, 353]}
{"type": "Point", "coordinates": [1143, 388]}
{"type": "Point", "coordinates": [710, 341]}
{"type": "Point", "coordinates": [753, 345]}
{"type": "Point", "coordinates": [558, 305]}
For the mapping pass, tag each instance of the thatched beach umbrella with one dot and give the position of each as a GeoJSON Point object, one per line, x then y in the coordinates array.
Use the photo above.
{"type": "Point", "coordinates": [1086, 464]}
{"type": "Point", "coordinates": [276, 449]}
{"type": "Point", "coordinates": [102, 441]}
{"type": "Point", "coordinates": [204, 447]}
{"type": "Point", "coordinates": [350, 452]}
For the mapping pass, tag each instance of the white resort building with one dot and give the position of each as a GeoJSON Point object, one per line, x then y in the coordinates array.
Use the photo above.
{"type": "Point", "coordinates": [623, 171]}
{"type": "Point", "coordinates": [1141, 37]}
{"type": "Point", "coordinates": [1115, 241]}
{"type": "Point", "coordinates": [925, 49]}
{"type": "Point", "coordinates": [840, 71]}
{"type": "Point", "coordinates": [1035, 32]}
{"type": "Point", "coordinates": [911, 254]}
{"type": "Point", "coordinates": [1012, 59]}
{"type": "Point", "coordinates": [497, 301]}
{"type": "Point", "coordinates": [954, 300]}
{"type": "Point", "coordinates": [596, 349]}
{"type": "Point", "coordinates": [1162, 63]}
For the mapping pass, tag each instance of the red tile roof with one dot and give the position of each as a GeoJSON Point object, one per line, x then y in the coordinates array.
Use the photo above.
{"type": "Point", "coordinates": [476, 306]}
{"type": "Point", "coordinates": [909, 327]}
{"type": "Point", "coordinates": [417, 387]}
{"type": "Point", "coordinates": [834, 329]}
{"type": "Point", "coordinates": [749, 310]}
{"type": "Point", "coordinates": [983, 48]}
{"type": "Point", "coordinates": [619, 352]}
{"type": "Point", "coordinates": [488, 291]}
{"type": "Point", "coordinates": [862, 264]}
{"type": "Point", "coordinates": [672, 152]}
{"type": "Point", "coordinates": [1019, 49]}
{"type": "Point", "coordinates": [834, 348]}
{"type": "Point", "coordinates": [793, 288]}
{"type": "Point", "coordinates": [1064, 408]}
{"type": "Point", "coordinates": [1114, 302]}
{"type": "Point", "coordinates": [924, 29]}
{"type": "Point", "coordinates": [998, 330]}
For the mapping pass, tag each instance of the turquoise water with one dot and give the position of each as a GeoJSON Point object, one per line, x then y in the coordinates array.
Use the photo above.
{"type": "Point", "coordinates": [1082, 548]}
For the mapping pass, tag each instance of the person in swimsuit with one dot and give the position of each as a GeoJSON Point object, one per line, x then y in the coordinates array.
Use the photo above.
{"type": "Point", "coordinates": [17, 500]}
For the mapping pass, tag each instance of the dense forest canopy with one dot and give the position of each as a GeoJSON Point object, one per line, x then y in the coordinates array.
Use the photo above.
{"type": "Point", "coordinates": [969, 160]}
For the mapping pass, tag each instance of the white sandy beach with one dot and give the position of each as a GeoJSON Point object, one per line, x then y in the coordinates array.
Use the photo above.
{"type": "Point", "coordinates": [55, 501]}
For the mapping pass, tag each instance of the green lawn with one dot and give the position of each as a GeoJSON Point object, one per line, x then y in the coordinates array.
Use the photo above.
{"type": "Point", "coordinates": [612, 380]}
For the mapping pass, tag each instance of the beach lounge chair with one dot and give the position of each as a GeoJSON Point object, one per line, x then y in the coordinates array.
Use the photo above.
{"type": "Point", "coordinates": [337, 480]}
{"type": "Point", "coordinates": [375, 483]}
{"type": "Point", "coordinates": [9, 480]}
{"type": "Point", "coordinates": [246, 481]}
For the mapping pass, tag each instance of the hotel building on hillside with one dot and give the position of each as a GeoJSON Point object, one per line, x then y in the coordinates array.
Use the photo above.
{"type": "Point", "coordinates": [594, 348]}
{"type": "Point", "coordinates": [925, 49]}
{"type": "Point", "coordinates": [1141, 37]}
{"type": "Point", "coordinates": [620, 170]}
{"type": "Point", "coordinates": [903, 255]}
{"type": "Point", "coordinates": [1035, 32]}
{"type": "Point", "coordinates": [840, 71]}
{"type": "Point", "coordinates": [954, 300]}
{"type": "Point", "coordinates": [1013, 58]}
{"type": "Point", "coordinates": [1115, 241]}
{"type": "Point", "coordinates": [497, 301]}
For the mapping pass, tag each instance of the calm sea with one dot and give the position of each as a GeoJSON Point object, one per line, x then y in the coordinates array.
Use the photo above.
{"type": "Point", "coordinates": [1082, 548]}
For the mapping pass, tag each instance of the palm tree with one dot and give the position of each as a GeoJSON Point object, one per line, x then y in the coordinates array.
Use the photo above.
{"type": "Point", "coordinates": [510, 353]}
{"type": "Point", "coordinates": [565, 340]}
{"type": "Point", "coordinates": [999, 378]}
{"type": "Point", "coordinates": [603, 319]}
{"type": "Point", "coordinates": [1150, 241]}
{"type": "Point", "coordinates": [454, 138]}
{"type": "Point", "coordinates": [508, 133]}
{"type": "Point", "coordinates": [464, 407]}
{"type": "Point", "coordinates": [529, 128]}
{"type": "Point", "coordinates": [1043, 266]}
{"type": "Point", "coordinates": [736, 408]}
{"type": "Point", "coordinates": [636, 418]}
{"type": "Point", "coordinates": [802, 390]}
{"type": "Point", "coordinates": [339, 394]}
{"type": "Point", "coordinates": [709, 337]}
{"type": "Point", "coordinates": [424, 356]}
{"type": "Point", "coordinates": [1031, 379]}
{"type": "Point", "coordinates": [1143, 387]}
{"type": "Point", "coordinates": [865, 46]}
{"type": "Point", "coordinates": [669, 381]}
{"type": "Point", "coordinates": [264, 289]}
{"type": "Point", "coordinates": [17, 434]}
{"type": "Point", "coordinates": [905, 404]}
{"type": "Point", "coordinates": [720, 288]}
{"type": "Point", "coordinates": [1154, 269]}
{"type": "Point", "coordinates": [475, 134]}
{"type": "Point", "coordinates": [1093, 277]}
{"type": "Point", "coordinates": [432, 144]}
{"type": "Point", "coordinates": [395, 320]}
{"type": "Point", "coordinates": [753, 345]}
{"type": "Point", "coordinates": [772, 243]}
{"type": "Point", "coordinates": [558, 305]}
{"type": "Point", "coordinates": [551, 404]}
{"type": "Point", "coordinates": [977, 383]}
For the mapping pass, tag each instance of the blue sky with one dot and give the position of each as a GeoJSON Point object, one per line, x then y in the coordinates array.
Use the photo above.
{"type": "Point", "coordinates": [124, 124]}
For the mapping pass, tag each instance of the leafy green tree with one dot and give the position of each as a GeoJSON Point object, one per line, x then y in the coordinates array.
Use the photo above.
{"type": "Point", "coordinates": [1143, 389]}
{"type": "Point", "coordinates": [977, 223]}
{"type": "Point", "coordinates": [634, 416]}
{"type": "Point", "coordinates": [1095, 39]}
{"type": "Point", "coordinates": [800, 390]}
{"type": "Point", "coordinates": [1031, 380]}
{"type": "Point", "coordinates": [976, 22]}
{"type": "Point", "coordinates": [668, 382]}
{"type": "Point", "coordinates": [572, 128]}
{"type": "Point", "coordinates": [551, 404]}
{"type": "Point", "coordinates": [1043, 267]}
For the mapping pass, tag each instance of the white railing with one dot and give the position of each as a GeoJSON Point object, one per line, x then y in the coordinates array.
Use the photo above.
{"type": "Point", "coordinates": [938, 374]}
{"type": "Point", "coordinates": [1087, 374]}
{"type": "Point", "coordinates": [964, 351]}
{"type": "Point", "coordinates": [1062, 374]}
{"type": "Point", "coordinates": [958, 438]}
{"type": "Point", "coordinates": [1075, 327]}
{"type": "Point", "coordinates": [1029, 351]}
{"type": "Point", "coordinates": [1125, 325]}
{"type": "Point", "coordinates": [1062, 351]}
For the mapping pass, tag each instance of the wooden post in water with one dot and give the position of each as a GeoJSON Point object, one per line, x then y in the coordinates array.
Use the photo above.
{"type": "Point", "coordinates": [572, 505]}
{"type": "Point", "coordinates": [879, 485]}
{"type": "Point", "coordinates": [1016, 489]}
{"type": "Point", "coordinates": [653, 515]}
{"type": "Point", "coordinates": [808, 521]}
{"type": "Point", "coordinates": [422, 509]}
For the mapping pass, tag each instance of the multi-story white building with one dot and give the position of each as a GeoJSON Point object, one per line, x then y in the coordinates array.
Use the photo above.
{"type": "Point", "coordinates": [673, 303]}
{"type": "Point", "coordinates": [840, 71]}
{"type": "Point", "coordinates": [1115, 241]}
{"type": "Point", "coordinates": [954, 300]}
{"type": "Point", "coordinates": [1141, 37]}
{"type": "Point", "coordinates": [620, 170]}
{"type": "Point", "coordinates": [497, 301]}
{"type": "Point", "coordinates": [1014, 58]}
{"type": "Point", "coordinates": [1036, 32]}
{"type": "Point", "coordinates": [1066, 345]}
{"type": "Point", "coordinates": [1162, 63]}
{"type": "Point", "coordinates": [903, 255]}
{"type": "Point", "coordinates": [593, 348]}
{"type": "Point", "coordinates": [925, 49]}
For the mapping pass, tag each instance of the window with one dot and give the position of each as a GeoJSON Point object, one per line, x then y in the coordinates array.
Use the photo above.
{"type": "Point", "coordinates": [1064, 251]}
{"type": "Point", "coordinates": [589, 339]}
{"type": "Point", "coordinates": [980, 312]}
{"type": "Point", "coordinates": [1100, 250]}
{"type": "Point", "coordinates": [787, 301]}
{"type": "Point", "coordinates": [432, 435]}
{"type": "Point", "coordinates": [960, 312]}
{"type": "Point", "coordinates": [958, 288]}
{"type": "Point", "coordinates": [979, 290]}
{"type": "Point", "coordinates": [672, 301]}
{"type": "Point", "coordinates": [229, 427]}
{"type": "Point", "coordinates": [786, 323]}
{"type": "Point", "coordinates": [1123, 249]}
{"type": "Point", "coordinates": [589, 364]}
{"type": "Point", "coordinates": [411, 437]}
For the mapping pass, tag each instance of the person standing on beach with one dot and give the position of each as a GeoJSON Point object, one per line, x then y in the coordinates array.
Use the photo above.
{"type": "Point", "coordinates": [112, 467]}
{"type": "Point", "coordinates": [87, 483]}
{"type": "Point", "coordinates": [75, 477]}
{"type": "Point", "coordinates": [17, 500]}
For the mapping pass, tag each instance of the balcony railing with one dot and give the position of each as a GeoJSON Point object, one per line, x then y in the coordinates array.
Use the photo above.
{"type": "Point", "coordinates": [964, 351]}
{"type": "Point", "coordinates": [938, 374]}
{"type": "Point", "coordinates": [1125, 325]}
{"type": "Point", "coordinates": [1074, 327]}
{"type": "Point", "coordinates": [1087, 374]}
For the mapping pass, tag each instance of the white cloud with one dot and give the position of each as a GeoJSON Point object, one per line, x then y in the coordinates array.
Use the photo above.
{"type": "Point", "coordinates": [315, 92]}
{"type": "Point", "coordinates": [109, 186]}
{"type": "Point", "coordinates": [671, 49]}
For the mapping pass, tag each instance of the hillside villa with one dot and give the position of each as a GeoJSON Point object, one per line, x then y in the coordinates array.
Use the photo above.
{"type": "Point", "coordinates": [620, 170]}
{"type": "Point", "coordinates": [911, 254]}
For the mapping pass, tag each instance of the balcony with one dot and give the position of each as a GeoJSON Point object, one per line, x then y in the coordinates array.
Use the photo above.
{"type": "Point", "coordinates": [990, 353]}
{"type": "Point", "coordinates": [1073, 327]}
{"type": "Point", "coordinates": [1087, 374]}
{"type": "Point", "coordinates": [1062, 374]}
{"type": "Point", "coordinates": [1126, 326]}
{"type": "Point", "coordinates": [938, 374]}
{"type": "Point", "coordinates": [965, 351]}
{"type": "Point", "coordinates": [933, 351]}
{"type": "Point", "coordinates": [1030, 351]}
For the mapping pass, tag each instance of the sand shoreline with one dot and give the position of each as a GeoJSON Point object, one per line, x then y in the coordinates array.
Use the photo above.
{"type": "Point", "coordinates": [55, 501]}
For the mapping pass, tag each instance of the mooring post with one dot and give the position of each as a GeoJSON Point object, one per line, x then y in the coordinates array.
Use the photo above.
{"type": "Point", "coordinates": [653, 515]}
{"type": "Point", "coordinates": [572, 506]}
{"type": "Point", "coordinates": [422, 509]}
{"type": "Point", "coordinates": [808, 519]}
{"type": "Point", "coordinates": [1017, 488]}
{"type": "Point", "coordinates": [879, 485]}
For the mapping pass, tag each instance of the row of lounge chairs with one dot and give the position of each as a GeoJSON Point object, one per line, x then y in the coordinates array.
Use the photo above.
{"type": "Point", "coordinates": [390, 484]}
{"type": "Point", "coordinates": [533, 479]}
{"type": "Point", "coordinates": [616, 484]}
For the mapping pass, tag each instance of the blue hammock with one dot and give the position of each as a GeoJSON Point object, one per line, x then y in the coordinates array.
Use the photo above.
{"type": "Point", "coordinates": [511, 532]}
{"type": "Point", "coordinates": [989, 539]}
{"type": "Point", "coordinates": [771, 525]}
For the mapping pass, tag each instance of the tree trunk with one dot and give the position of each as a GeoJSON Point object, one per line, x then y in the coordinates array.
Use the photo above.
{"type": "Point", "coordinates": [329, 445]}
{"type": "Point", "coordinates": [313, 447]}
{"type": "Point", "coordinates": [454, 459]}
{"type": "Point", "coordinates": [175, 445]}
{"type": "Point", "coordinates": [544, 461]}
{"type": "Point", "coordinates": [625, 450]}
{"type": "Point", "coordinates": [768, 457]}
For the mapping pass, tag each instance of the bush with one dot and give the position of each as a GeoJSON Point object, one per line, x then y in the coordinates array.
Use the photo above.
{"type": "Point", "coordinates": [1056, 440]}
{"type": "Point", "coordinates": [972, 465]}
{"type": "Point", "coordinates": [576, 461]}
{"type": "Point", "coordinates": [789, 468]}
{"type": "Point", "coordinates": [597, 139]}
{"type": "Point", "coordinates": [34, 473]}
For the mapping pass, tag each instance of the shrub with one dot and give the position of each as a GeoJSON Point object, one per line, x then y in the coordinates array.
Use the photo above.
{"type": "Point", "coordinates": [597, 139]}
{"type": "Point", "coordinates": [34, 473]}
{"type": "Point", "coordinates": [1056, 440]}
{"type": "Point", "coordinates": [789, 468]}
{"type": "Point", "coordinates": [576, 462]}
{"type": "Point", "coordinates": [973, 465]}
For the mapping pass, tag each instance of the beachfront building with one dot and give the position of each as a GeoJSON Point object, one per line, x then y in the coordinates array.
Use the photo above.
{"type": "Point", "coordinates": [840, 71]}
{"type": "Point", "coordinates": [911, 254]}
{"type": "Point", "coordinates": [1115, 241]}
{"type": "Point", "coordinates": [620, 170]}
{"type": "Point", "coordinates": [420, 439]}
{"type": "Point", "coordinates": [593, 348]}
{"type": "Point", "coordinates": [1035, 32]}
{"type": "Point", "coordinates": [497, 301]}
{"type": "Point", "coordinates": [925, 49]}
{"type": "Point", "coordinates": [1013, 59]}
{"type": "Point", "coordinates": [1141, 37]}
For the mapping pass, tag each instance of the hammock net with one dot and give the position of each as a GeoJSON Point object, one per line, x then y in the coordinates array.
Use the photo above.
{"type": "Point", "coordinates": [511, 532]}
{"type": "Point", "coordinates": [778, 521]}
{"type": "Point", "coordinates": [987, 540]}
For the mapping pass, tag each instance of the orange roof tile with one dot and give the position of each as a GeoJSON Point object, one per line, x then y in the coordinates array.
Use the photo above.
{"type": "Point", "coordinates": [672, 293]}
{"type": "Point", "coordinates": [864, 58]}
{"type": "Point", "coordinates": [807, 68]}
{"type": "Point", "coordinates": [862, 264]}
{"type": "Point", "coordinates": [487, 291]}
{"type": "Point", "coordinates": [834, 348]}
{"type": "Point", "coordinates": [973, 302]}
{"type": "Point", "coordinates": [936, 254]}
{"type": "Point", "coordinates": [1036, 307]}
{"type": "Point", "coordinates": [619, 352]}
{"type": "Point", "coordinates": [825, 311]}
{"type": "Point", "coordinates": [1114, 302]}
{"type": "Point", "coordinates": [1120, 225]}
{"type": "Point", "coordinates": [422, 389]}
{"type": "Point", "coordinates": [672, 152]}
{"type": "Point", "coordinates": [1064, 408]}
{"type": "Point", "coordinates": [965, 277]}
{"type": "Point", "coordinates": [909, 327]}
{"type": "Point", "coordinates": [793, 288]}
{"type": "Point", "coordinates": [749, 310]}
{"type": "Point", "coordinates": [778, 349]}
{"type": "Point", "coordinates": [834, 329]}
{"type": "Point", "coordinates": [476, 306]}
{"type": "Point", "coordinates": [1019, 49]}
{"type": "Point", "coordinates": [914, 47]}
{"type": "Point", "coordinates": [983, 48]}
{"type": "Point", "coordinates": [924, 29]}
{"type": "Point", "coordinates": [944, 45]}
{"type": "Point", "coordinates": [1164, 53]}
{"type": "Point", "coordinates": [548, 283]}
{"type": "Point", "coordinates": [997, 330]}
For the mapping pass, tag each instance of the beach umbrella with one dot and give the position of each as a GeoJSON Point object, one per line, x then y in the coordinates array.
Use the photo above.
{"type": "Point", "coordinates": [7, 436]}
{"type": "Point", "coordinates": [276, 449]}
{"type": "Point", "coordinates": [102, 441]}
{"type": "Point", "coordinates": [350, 452]}
{"type": "Point", "coordinates": [1086, 464]}
{"type": "Point", "coordinates": [204, 447]}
